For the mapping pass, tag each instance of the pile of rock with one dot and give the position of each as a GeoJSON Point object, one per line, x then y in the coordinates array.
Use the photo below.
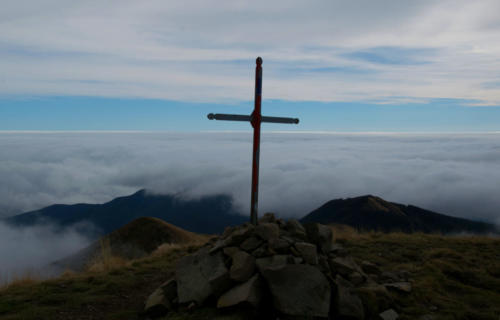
{"type": "Point", "coordinates": [276, 269]}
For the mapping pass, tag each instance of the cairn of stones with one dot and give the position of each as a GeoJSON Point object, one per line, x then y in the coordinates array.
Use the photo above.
{"type": "Point", "coordinates": [278, 269]}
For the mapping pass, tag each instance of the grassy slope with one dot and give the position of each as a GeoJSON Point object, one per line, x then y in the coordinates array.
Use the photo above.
{"type": "Point", "coordinates": [117, 292]}
{"type": "Point", "coordinates": [453, 277]}
{"type": "Point", "coordinates": [459, 276]}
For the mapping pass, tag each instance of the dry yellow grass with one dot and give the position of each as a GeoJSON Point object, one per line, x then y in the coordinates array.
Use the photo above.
{"type": "Point", "coordinates": [25, 279]}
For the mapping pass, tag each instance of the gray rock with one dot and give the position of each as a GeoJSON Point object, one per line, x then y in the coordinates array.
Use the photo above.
{"type": "Point", "coordinates": [323, 264]}
{"type": "Point", "coordinates": [267, 231]}
{"type": "Point", "coordinates": [349, 305]}
{"type": "Point", "coordinates": [370, 268]}
{"type": "Point", "coordinates": [229, 251]}
{"type": "Point", "coordinates": [399, 286]}
{"type": "Point", "coordinates": [243, 266]}
{"type": "Point", "coordinates": [249, 292]}
{"type": "Point", "coordinates": [268, 218]}
{"type": "Point", "coordinates": [288, 239]}
{"type": "Point", "coordinates": [219, 245]}
{"type": "Point", "coordinates": [251, 244]}
{"type": "Point", "coordinates": [320, 235]}
{"type": "Point", "coordinates": [239, 235]}
{"type": "Point", "coordinates": [295, 229]}
{"type": "Point", "coordinates": [279, 245]}
{"type": "Point", "coordinates": [272, 262]}
{"type": "Point", "coordinates": [169, 289]}
{"type": "Point", "coordinates": [389, 315]}
{"type": "Point", "coordinates": [341, 281]}
{"type": "Point", "coordinates": [338, 250]}
{"type": "Point", "coordinates": [161, 300]}
{"type": "Point", "coordinates": [156, 304]}
{"type": "Point", "coordinates": [356, 278]}
{"type": "Point", "coordinates": [297, 260]}
{"type": "Point", "coordinates": [262, 251]}
{"type": "Point", "coordinates": [388, 276]}
{"type": "Point", "coordinates": [299, 290]}
{"type": "Point", "coordinates": [307, 252]}
{"type": "Point", "coordinates": [343, 266]}
{"type": "Point", "coordinates": [198, 274]}
{"type": "Point", "coordinates": [375, 298]}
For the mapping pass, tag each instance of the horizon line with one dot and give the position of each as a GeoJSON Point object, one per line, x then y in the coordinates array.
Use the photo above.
{"type": "Point", "coordinates": [244, 131]}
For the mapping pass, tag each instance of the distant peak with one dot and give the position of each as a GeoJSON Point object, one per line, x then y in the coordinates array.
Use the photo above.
{"type": "Point", "coordinates": [141, 193]}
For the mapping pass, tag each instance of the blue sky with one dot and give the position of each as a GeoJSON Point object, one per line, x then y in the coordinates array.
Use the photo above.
{"type": "Point", "coordinates": [339, 66]}
{"type": "Point", "coordinates": [100, 114]}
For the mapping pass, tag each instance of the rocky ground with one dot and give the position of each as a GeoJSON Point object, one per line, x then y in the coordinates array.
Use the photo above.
{"type": "Point", "coordinates": [279, 269]}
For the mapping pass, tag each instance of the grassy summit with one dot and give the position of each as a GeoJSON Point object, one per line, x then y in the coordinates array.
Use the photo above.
{"type": "Point", "coordinates": [452, 278]}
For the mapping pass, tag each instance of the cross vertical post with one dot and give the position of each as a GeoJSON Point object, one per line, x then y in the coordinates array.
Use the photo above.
{"type": "Point", "coordinates": [255, 120]}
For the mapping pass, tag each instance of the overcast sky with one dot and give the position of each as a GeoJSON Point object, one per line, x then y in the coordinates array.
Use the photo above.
{"type": "Point", "coordinates": [432, 59]}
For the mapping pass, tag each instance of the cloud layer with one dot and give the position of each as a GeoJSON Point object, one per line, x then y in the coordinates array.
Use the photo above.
{"type": "Point", "coordinates": [28, 251]}
{"type": "Point", "coordinates": [387, 51]}
{"type": "Point", "coordinates": [456, 174]}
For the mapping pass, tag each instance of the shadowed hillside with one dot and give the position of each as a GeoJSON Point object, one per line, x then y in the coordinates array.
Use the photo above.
{"type": "Point", "coordinates": [373, 213]}
{"type": "Point", "coordinates": [136, 239]}
{"type": "Point", "coordinates": [210, 214]}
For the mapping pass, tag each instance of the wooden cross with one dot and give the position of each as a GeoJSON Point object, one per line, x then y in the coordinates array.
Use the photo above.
{"type": "Point", "coordinates": [255, 120]}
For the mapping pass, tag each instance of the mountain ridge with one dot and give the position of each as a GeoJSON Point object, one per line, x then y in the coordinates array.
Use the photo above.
{"type": "Point", "coordinates": [211, 214]}
{"type": "Point", "coordinates": [370, 212]}
{"type": "Point", "coordinates": [208, 214]}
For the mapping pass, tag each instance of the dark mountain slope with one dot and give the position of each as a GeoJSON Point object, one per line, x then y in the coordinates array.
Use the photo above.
{"type": "Point", "coordinates": [373, 213]}
{"type": "Point", "coordinates": [210, 214]}
{"type": "Point", "coordinates": [134, 240]}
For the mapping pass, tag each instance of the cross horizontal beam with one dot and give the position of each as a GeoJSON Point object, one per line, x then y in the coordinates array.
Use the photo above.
{"type": "Point", "coordinates": [241, 117]}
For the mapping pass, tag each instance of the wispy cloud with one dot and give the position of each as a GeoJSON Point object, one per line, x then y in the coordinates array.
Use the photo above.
{"type": "Point", "coordinates": [204, 50]}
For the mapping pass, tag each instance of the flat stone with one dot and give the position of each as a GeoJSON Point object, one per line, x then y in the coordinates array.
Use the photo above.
{"type": "Point", "coordinates": [357, 278]}
{"type": "Point", "coordinates": [375, 298]}
{"type": "Point", "coordinates": [343, 266]}
{"type": "Point", "coordinates": [267, 231]}
{"type": "Point", "coordinates": [288, 239]}
{"type": "Point", "coordinates": [297, 260]}
{"type": "Point", "coordinates": [240, 234]}
{"type": "Point", "coordinates": [279, 245]}
{"type": "Point", "coordinates": [299, 290]}
{"type": "Point", "coordinates": [249, 292]}
{"type": "Point", "coordinates": [251, 244]}
{"type": "Point", "coordinates": [219, 245]}
{"type": "Point", "coordinates": [296, 229]}
{"type": "Point", "coordinates": [370, 268]}
{"type": "Point", "coordinates": [389, 315]}
{"type": "Point", "coordinates": [262, 251]}
{"type": "Point", "coordinates": [349, 305]}
{"type": "Point", "coordinates": [337, 249]}
{"type": "Point", "coordinates": [399, 286]}
{"type": "Point", "coordinates": [197, 275]}
{"type": "Point", "coordinates": [229, 251]}
{"type": "Point", "coordinates": [156, 304]}
{"type": "Point", "coordinates": [388, 276]}
{"type": "Point", "coordinates": [243, 266]}
{"type": "Point", "coordinates": [272, 262]}
{"type": "Point", "coordinates": [307, 252]}
{"type": "Point", "coordinates": [169, 289]}
{"type": "Point", "coordinates": [161, 300]}
{"type": "Point", "coordinates": [320, 235]}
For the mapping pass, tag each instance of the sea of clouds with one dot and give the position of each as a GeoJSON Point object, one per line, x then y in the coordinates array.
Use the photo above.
{"type": "Point", "coordinates": [456, 174]}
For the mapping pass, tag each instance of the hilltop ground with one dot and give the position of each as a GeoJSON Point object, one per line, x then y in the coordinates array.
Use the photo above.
{"type": "Point", "coordinates": [452, 278]}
